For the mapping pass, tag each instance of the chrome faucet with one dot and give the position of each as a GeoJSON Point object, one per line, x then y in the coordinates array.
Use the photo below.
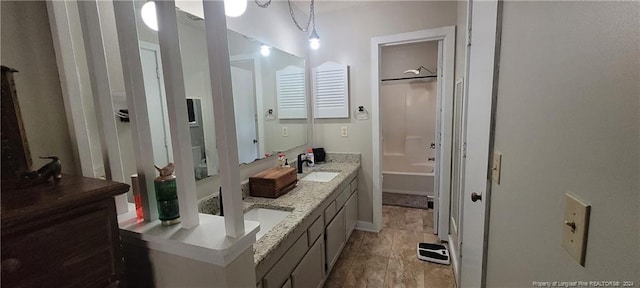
{"type": "Point", "coordinates": [300, 161]}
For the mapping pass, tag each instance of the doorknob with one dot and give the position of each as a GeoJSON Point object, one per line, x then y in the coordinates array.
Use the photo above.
{"type": "Point", "coordinates": [475, 197]}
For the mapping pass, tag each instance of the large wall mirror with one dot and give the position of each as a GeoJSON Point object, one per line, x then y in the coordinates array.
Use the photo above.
{"type": "Point", "coordinates": [268, 89]}
{"type": "Point", "coordinates": [269, 98]}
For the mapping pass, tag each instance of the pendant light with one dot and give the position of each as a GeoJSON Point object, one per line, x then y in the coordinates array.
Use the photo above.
{"type": "Point", "coordinates": [314, 39]}
{"type": "Point", "coordinates": [235, 8]}
{"type": "Point", "coordinates": [265, 50]}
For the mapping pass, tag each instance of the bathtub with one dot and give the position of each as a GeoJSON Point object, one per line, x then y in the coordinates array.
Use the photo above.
{"type": "Point", "coordinates": [413, 179]}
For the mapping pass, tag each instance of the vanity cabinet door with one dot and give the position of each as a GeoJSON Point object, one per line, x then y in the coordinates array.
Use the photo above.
{"type": "Point", "coordinates": [309, 272]}
{"type": "Point", "coordinates": [335, 239]}
{"type": "Point", "coordinates": [351, 214]}
{"type": "Point", "coordinates": [279, 274]}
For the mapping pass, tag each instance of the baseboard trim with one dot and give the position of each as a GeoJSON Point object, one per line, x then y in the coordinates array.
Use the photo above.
{"type": "Point", "coordinates": [367, 227]}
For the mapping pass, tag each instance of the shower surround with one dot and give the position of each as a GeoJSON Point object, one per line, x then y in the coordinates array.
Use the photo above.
{"type": "Point", "coordinates": [409, 113]}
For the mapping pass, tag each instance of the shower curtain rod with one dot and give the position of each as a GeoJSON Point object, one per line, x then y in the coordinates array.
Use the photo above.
{"type": "Point", "coordinates": [409, 78]}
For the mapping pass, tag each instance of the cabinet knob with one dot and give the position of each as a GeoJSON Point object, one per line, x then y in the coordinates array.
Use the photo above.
{"type": "Point", "coordinates": [10, 265]}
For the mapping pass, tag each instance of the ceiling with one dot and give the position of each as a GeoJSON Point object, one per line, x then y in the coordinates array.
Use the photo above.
{"type": "Point", "coordinates": [321, 6]}
{"type": "Point", "coordinates": [325, 6]}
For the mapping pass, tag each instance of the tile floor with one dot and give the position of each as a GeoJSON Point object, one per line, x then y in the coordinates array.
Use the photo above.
{"type": "Point", "coordinates": [388, 258]}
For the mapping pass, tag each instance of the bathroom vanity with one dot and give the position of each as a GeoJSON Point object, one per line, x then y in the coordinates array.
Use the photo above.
{"type": "Point", "coordinates": [302, 248]}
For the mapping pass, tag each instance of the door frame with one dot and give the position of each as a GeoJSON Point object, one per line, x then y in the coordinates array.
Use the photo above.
{"type": "Point", "coordinates": [455, 242]}
{"type": "Point", "coordinates": [441, 195]}
{"type": "Point", "coordinates": [257, 79]}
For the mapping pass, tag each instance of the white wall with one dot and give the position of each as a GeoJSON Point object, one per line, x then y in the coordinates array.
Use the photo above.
{"type": "Point", "coordinates": [346, 38]}
{"type": "Point", "coordinates": [27, 47]}
{"type": "Point", "coordinates": [567, 121]}
{"type": "Point", "coordinates": [399, 58]}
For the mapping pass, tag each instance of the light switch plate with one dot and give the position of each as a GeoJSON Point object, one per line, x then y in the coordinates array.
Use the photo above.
{"type": "Point", "coordinates": [575, 227]}
{"type": "Point", "coordinates": [344, 131]}
{"type": "Point", "coordinates": [495, 167]}
{"type": "Point", "coordinates": [285, 131]}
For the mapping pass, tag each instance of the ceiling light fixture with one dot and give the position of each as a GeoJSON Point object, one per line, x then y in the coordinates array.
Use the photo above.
{"type": "Point", "coordinates": [148, 13]}
{"type": "Point", "coordinates": [235, 8]}
{"type": "Point", "coordinates": [265, 50]}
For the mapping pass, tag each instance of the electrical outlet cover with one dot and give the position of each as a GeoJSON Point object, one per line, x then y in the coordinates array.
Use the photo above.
{"type": "Point", "coordinates": [575, 227]}
{"type": "Point", "coordinates": [285, 132]}
{"type": "Point", "coordinates": [344, 131]}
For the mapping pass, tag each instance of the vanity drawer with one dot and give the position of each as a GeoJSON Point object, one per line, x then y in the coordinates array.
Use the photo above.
{"type": "Point", "coordinates": [279, 274]}
{"type": "Point", "coordinates": [329, 212]}
{"type": "Point", "coordinates": [354, 184]}
{"type": "Point", "coordinates": [343, 197]}
{"type": "Point", "coordinates": [315, 230]}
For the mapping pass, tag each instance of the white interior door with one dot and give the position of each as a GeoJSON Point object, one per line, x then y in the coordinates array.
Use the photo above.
{"type": "Point", "coordinates": [156, 103]}
{"type": "Point", "coordinates": [245, 113]}
{"type": "Point", "coordinates": [480, 77]}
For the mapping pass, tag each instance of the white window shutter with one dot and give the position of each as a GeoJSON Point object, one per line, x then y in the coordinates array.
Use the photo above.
{"type": "Point", "coordinates": [331, 91]}
{"type": "Point", "coordinates": [292, 103]}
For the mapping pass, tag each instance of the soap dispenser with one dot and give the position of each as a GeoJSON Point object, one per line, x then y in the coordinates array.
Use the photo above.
{"type": "Point", "coordinates": [311, 162]}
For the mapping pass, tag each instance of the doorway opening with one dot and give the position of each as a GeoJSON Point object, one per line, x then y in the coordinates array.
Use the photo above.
{"type": "Point", "coordinates": [243, 74]}
{"type": "Point", "coordinates": [408, 96]}
{"type": "Point", "coordinates": [417, 146]}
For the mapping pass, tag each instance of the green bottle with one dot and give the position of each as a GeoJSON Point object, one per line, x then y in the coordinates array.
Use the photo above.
{"type": "Point", "coordinates": [167, 196]}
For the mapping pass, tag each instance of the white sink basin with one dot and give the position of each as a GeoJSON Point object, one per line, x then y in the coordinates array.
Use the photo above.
{"type": "Point", "coordinates": [320, 176]}
{"type": "Point", "coordinates": [266, 217]}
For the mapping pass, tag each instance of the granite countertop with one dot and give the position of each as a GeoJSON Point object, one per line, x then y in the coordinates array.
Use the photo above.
{"type": "Point", "coordinates": [301, 201]}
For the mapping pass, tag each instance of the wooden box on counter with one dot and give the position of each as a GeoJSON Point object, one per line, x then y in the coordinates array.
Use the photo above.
{"type": "Point", "coordinates": [273, 183]}
{"type": "Point", "coordinates": [61, 234]}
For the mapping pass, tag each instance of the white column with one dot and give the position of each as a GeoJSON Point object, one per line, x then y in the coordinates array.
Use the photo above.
{"type": "Point", "coordinates": [72, 89]}
{"type": "Point", "coordinates": [220, 73]}
{"type": "Point", "coordinates": [177, 110]}
{"type": "Point", "coordinates": [137, 103]}
{"type": "Point", "coordinates": [101, 88]}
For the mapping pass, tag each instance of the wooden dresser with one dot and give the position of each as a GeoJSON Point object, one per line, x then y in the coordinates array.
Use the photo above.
{"type": "Point", "coordinates": [61, 235]}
